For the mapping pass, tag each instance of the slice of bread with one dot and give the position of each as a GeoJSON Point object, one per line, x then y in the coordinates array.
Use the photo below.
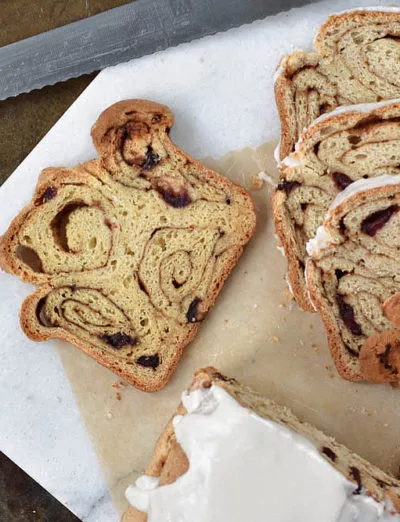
{"type": "Point", "coordinates": [130, 250]}
{"type": "Point", "coordinates": [339, 148]}
{"type": "Point", "coordinates": [169, 461]}
{"type": "Point", "coordinates": [354, 281]}
{"type": "Point", "coordinates": [357, 61]}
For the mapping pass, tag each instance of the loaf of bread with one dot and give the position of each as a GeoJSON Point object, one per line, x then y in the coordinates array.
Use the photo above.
{"type": "Point", "coordinates": [339, 148]}
{"type": "Point", "coordinates": [357, 60]}
{"type": "Point", "coordinates": [353, 276]}
{"type": "Point", "coordinates": [169, 462]}
{"type": "Point", "coordinates": [129, 250]}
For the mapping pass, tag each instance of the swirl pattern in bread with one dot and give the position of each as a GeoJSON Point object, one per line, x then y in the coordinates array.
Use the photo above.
{"type": "Point", "coordinates": [357, 61]}
{"type": "Point", "coordinates": [336, 150]}
{"type": "Point", "coordinates": [130, 250]}
{"type": "Point", "coordinates": [354, 282]}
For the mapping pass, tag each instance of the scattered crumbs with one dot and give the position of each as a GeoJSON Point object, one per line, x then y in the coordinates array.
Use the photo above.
{"type": "Point", "coordinates": [301, 342]}
{"type": "Point", "coordinates": [226, 321]}
{"type": "Point", "coordinates": [109, 414]}
{"type": "Point", "coordinates": [245, 272]}
{"type": "Point", "coordinates": [34, 510]}
{"type": "Point", "coordinates": [118, 396]}
{"type": "Point", "coordinates": [310, 326]}
{"type": "Point", "coordinates": [282, 305]}
{"type": "Point", "coordinates": [118, 384]}
{"type": "Point", "coordinates": [315, 347]}
{"type": "Point", "coordinates": [386, 425]}
{"type": "Point", "coordinates": [255, 305]}
{"type": "Point", "coordinates": [275, 339]}
{"type": "Point", "coordinates": [256, 183]}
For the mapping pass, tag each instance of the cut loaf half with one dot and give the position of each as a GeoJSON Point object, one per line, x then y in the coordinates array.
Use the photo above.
{"type": "Point", "coordinates": [357, 60]}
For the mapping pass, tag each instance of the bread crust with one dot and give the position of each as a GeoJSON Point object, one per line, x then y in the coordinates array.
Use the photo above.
{"type": "Point", "coordinates": [119, 136]}
{"type": "Point", "coordinates": [167, 456]}
{"type": "Point", "coordinates": [305, 158]}
{"type": "Point", "coordinates": [323, 61]}
{"type": "Point", "coordinates": [345, 365]}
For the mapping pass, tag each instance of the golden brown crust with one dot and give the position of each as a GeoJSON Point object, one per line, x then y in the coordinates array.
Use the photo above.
{"type": "Point", "coordinates": [362, 125]}
{"type": "Point", "coordinates": [375, 351]}
{"type": "Point", "coordinates": [380, 357]}
{"type": "Point", "coordinates": [391, 309]}
{"type": "Point", "coordinates": [375, 482]}
{"type": "Point", "coordinates": [83, 238]}
{"type": "Point", "coordinates": [295, 274]}
{"type": "Point", "coordinates": [331, 82]}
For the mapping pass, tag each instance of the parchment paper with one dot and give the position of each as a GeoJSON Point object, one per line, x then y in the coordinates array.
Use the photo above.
{"type": "Point", "coordinates": [255, 333]}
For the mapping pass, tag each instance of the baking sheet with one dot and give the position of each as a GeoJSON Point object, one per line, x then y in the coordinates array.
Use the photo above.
{"type": "Point", "coordinates": [60, 417]}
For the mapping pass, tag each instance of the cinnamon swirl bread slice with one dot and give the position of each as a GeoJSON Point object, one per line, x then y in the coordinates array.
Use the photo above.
{"type": "Point", "coordinates": [368, 486]}
{"type": "Point", "coordinates": [353, 277]}
{"type": "Point", "coordinates": [130, 250]}
{"type": "Point", "coordinates": [356, 61]}
{"type": "Point", "coordinates": [339, 148]}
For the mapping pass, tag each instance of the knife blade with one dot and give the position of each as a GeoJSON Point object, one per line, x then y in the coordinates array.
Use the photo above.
{"type": "Point", "coordinates": [121, 34]}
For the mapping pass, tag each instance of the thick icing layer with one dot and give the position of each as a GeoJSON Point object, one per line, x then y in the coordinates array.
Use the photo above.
{"type": "Point", "coordinates": [243, 467]}
{"type": "Point", "coordinates": [322, 238]}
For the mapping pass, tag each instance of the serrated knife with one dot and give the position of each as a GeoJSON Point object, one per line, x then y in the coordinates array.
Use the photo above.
{"type": "Point", "coordinates": [120, 34]}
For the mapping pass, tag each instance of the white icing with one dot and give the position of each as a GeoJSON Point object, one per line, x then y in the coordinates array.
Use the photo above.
{"type": "Point", "coordinates": [289, 285]}
{"type": "Point", "coordinates": [281, 250]}
{"type": "Point", "coordinates": [364, 184]}
{"type": "Point", "coordinates": [321, 240]}
{"type": "Point", "coordinates": [243, 467]}
{"type": "Point", "coordinates": [277, 153]}
{"type": "Point", "coordinates": [139, 494]}
{"type": "Point", "coordinates": [361, 107]}
{"type": "Point", "coordinates": [267, 178]}
{"type": "Point", "coordinates": [308, 291]}
{"type": "Point", "coordinates": [291, 161]}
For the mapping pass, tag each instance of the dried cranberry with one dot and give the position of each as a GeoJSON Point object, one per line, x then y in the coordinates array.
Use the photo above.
{"type": "Point", "coordinates": [341, 180]}
{"type": "Point", "coordinates": [288, 186]}
{"type": "Point", "coordinates": [175, 199]}
{"type": "Point", "coordinates": [118, 340]}
{"type": "Point", "coordinates": [347, 314]}
{"type": "Point", "coordinates": [49, 193]}
{"type": "Point", "coordinates": [373, 223]}
{"type": "Point", "coordinates": [151, 159]}
{"type": "Point", "coordinates": [192, 315]}
{"type": "Point", "coordinates": [329, 453]}
{"type": "Point", "coordinates": [149, 361]}
{"type": "Point", "coordinates": [356, 475]}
